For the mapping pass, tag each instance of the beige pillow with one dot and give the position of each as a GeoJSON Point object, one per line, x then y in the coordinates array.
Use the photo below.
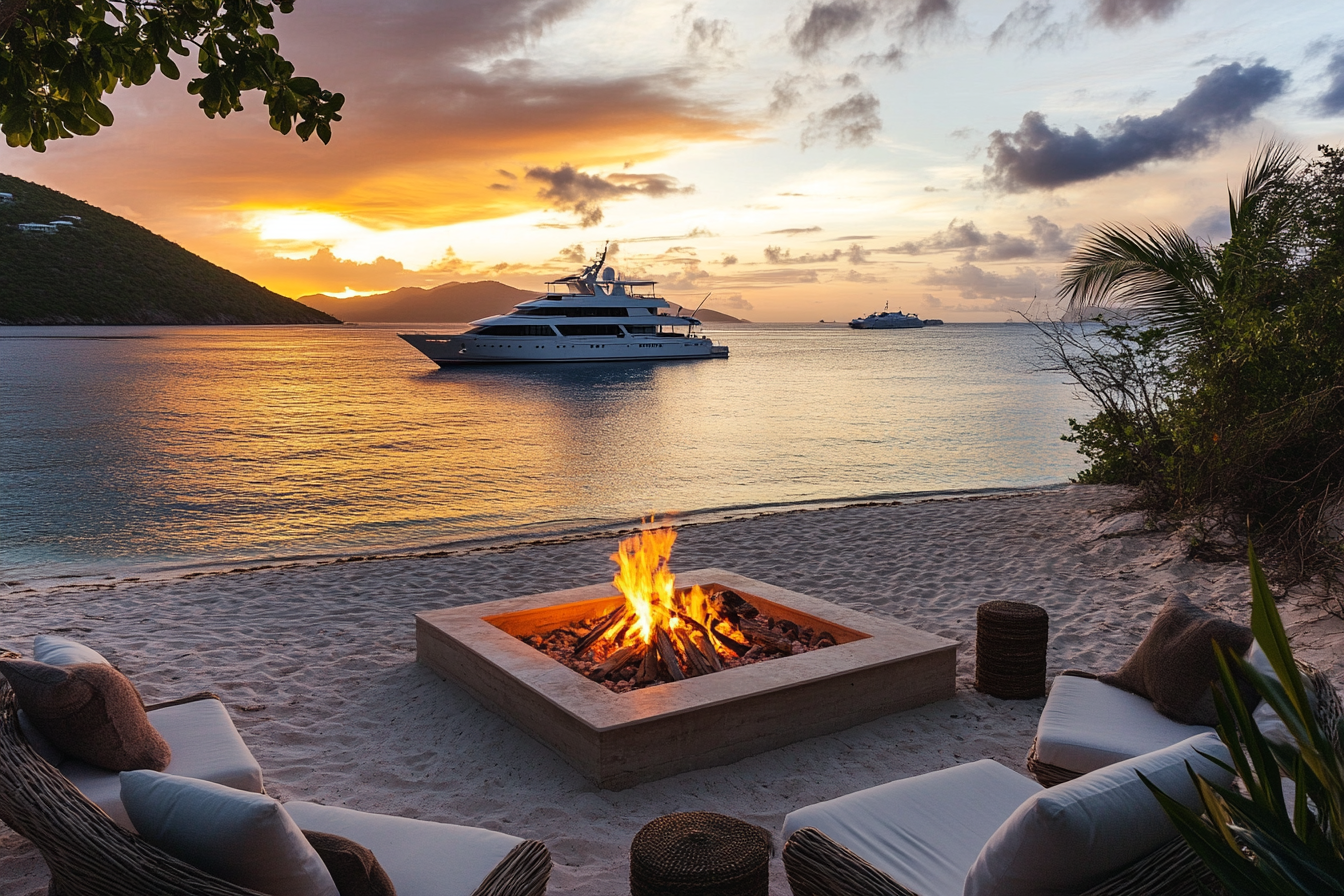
{"type": "Point", "coordinates": [1174, 667]}
{"type": "Point", "coordinates": [1068, 838]}
{"type": "Point", "coordinates": [245, 838]}
{"type": "Point", "coordinates": [88, 711]}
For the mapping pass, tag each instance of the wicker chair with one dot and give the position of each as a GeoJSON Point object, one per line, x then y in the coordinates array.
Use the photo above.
{"type": "Point", "coordinates": [1104, 699]}
{"type": "Point", "coordinates": [91, 855]}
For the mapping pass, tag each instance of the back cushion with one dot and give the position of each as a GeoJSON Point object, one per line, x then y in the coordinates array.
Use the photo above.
{"type": "Point", "coordinates": [1069, 838]}
{"type": "Point", "coordinates": [57, 651]}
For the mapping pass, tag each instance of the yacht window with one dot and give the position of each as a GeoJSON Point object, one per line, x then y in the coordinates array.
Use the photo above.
{"type": "Point", "coordinates": [633, 329]}
{"type": "Point", "coordinates": [540, 312]}
{"type": "Point", "coordinates": [590, 330]}
{"type": "Point", "coordinates": [581, 311]}
{"type": "Point", "coordinates": [516, 330]}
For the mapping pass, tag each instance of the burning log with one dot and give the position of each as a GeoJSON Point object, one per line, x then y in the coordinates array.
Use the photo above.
{"type": "Point", "coordinates": [696, 661]}
{"type": "Point", "coordinates": [668, 654]}
{"type": "Point", "coordinates": [616, 662]}
{"type": "Point", "coordinates": [597, 631]}
{"type": "Point", "coordinates": [648, 669]}
{"type": "Point", "coordinates": [707, 650]}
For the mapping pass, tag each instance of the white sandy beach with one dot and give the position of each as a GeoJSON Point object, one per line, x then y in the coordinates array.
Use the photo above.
{"type": "Point", "coordinates": [317, 663]}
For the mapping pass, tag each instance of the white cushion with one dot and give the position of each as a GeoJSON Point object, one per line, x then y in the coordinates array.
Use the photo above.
{"type": "Point", "coordinates": [1087, 725]}
{"type": "Point", "coordinates": [57, 651]}
{"type": "Point", "coordinates": [925, 832]}
{"type": "Point", "coordinates": [1264, 715]}
{"type": "Point", "coordinates": [205, 746]}
{"type": "Point", "coordinates": [244, 838]}
{"type": "Point", "coordinates": [1071, 837]}
{"type": "Point", "coordinates": [422, 858]}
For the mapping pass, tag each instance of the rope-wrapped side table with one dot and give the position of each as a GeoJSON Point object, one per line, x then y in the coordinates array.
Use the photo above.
{"type": "Point", "coordinates": [700, 854]}
{"type": "Point", "coordinates": [1010, 642]}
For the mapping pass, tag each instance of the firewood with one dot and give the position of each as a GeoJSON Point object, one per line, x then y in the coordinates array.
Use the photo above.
{"type": "Point", "coordinates": [668, 654]}
{"type": "Point", "coordinates": [696, 661]}
{"type": "Point", "coordinates": [648, 669]}
{"type": "Point", "coordinates": [598, 630]}
{"type": "Point", "coordinates": [758, 634]}
{"type": "Point", "coordinates": [615, 663]}
{"type": "Point", "coordinates": [789, 628]}
{"type": "Point", "coordinates": [707, 650]}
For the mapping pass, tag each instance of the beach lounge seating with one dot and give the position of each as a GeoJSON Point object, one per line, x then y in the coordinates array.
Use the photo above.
{"type": "Point", "coordinates": [89, 854]}
{"type": "Point", "coordinates": [981, 829]}
{"type": "Point", "coordinates": [204, 742]}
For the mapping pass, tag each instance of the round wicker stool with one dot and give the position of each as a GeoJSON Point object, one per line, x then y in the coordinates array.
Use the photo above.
{"type": "Point", "coordinates": [700, 854]}
{"type": "Point", "coordinates": [1010, 641]}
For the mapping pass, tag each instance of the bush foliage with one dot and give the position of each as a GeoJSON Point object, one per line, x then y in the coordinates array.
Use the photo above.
{"type": "Point", "coordinates": [1220, 394]}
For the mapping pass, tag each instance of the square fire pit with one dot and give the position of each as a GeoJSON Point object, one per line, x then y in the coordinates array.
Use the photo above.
{"type": "Point", "coordinates": [877, 667]}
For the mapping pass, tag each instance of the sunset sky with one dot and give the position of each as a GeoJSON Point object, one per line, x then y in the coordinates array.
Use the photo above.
{"type": "Point", "coordinates": [797, 160]}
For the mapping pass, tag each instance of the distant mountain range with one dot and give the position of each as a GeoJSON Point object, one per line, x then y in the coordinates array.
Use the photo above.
{"type": "Point", "coordinates": [63, 261]}
{"type": "Point", "coordinates": [453, 302]}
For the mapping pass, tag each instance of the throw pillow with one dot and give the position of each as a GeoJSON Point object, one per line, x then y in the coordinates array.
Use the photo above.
{"type": "Point", "coordinates": [1175, 667]}
{"type": "Point", "coordinates": [57, 651]}
{"type": "Point", "coordinates": [245, 838]}
{"type": "Point", "coordinates": [353, 867]}
{"type": "Point", "coordinates": [1066, 839]}
{"type": "Point", "coordinates": [88, 711]}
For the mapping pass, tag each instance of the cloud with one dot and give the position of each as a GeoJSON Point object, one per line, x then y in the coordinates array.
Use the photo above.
{"type": "Point", "coordinates": [794, 231]}
{"type": "Point", "coordinates": [828, 23]}
{"type": "Point", "coordinates": [731, 300]}
{"type": "Point", "coordinates": [859, 277]}
{"type": "Point", "coordinates": [572, 190]}
{"type": "Point", "coordinates": [728, 259]}
{"type": "Point", "coordinates": [852, 237]}
{"type": "Point", "coordinates": [1213, 225]}
{"type": "Point", "coordinates": [1124, 13]}
{"type": "Point", "coordinates": [935, 189]}
{"type": "Point", "coordinates": [923, 17]}
{"type": "Point", "coordinates": [574, 254]}
{"type": "Point", "coordinates": [1045, 238]}
{"type": "Point", "coordinates": [853, 122]}
{"type": "Point", "coordinates": [893, 58]}
{"type": "Point", "coordinates": [709, 36]}
{"type": "Point", "coordinates": [776, 255]}
{"type": "Point", "coordinates": [1037, 156]}
{"type": "Point", "coordinates": [976, 283]}
{"type": "Point", "coordinates": [1033, 26]}
{"type": "Point", "coordinates": [1332, 101]}
{"type": "Point", "coordinates": [694, 233]}
{"type": "Point", "coordinates": [323, 271]}
{"type": "Point", "coordinates": [856, 254]}
{"type": "Point", "coordinates": [784, 94]}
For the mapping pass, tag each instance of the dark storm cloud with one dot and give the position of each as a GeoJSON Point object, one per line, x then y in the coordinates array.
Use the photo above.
{"type": "Point", "coordinates": [1045, 238]}
{"type": "Point", "coordinates": [1037, 156]}
{"type": "Point", "coordinates": [1123, 13]}
{"type": "Point", "coordinates": [583, 194]}
{"type": "Point", "coordinates": [828, 23]}
{"type": "Point", "coordinates": [1332, 101]}
{"type": "Point", "coordinates": [853, 122]}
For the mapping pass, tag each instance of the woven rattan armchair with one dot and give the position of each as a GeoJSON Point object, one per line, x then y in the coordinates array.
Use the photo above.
{"type": "Point", "coordinates": [1329, 711]}
{"type": "Point", "coordinates": [818, 866]}
{"type": "Point", "coordinates": [89, 854]}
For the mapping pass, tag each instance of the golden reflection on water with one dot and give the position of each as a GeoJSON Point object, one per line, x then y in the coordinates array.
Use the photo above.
{"type": "Point", "coordinates": [242, 443]}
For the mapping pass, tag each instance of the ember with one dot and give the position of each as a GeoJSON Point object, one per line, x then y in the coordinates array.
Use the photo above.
{"type": "Point", "coordinates": [661, 633]}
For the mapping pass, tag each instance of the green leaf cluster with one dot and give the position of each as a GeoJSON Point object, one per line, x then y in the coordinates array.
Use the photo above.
{"type": "Point", "coordinates": [1221, 395]}
{"type": "Point", "coordinates": [59, 58]}
{"type": "Point", "coordinates": [1259, 842]}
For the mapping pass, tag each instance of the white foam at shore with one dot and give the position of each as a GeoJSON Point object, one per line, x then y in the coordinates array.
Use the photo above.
{"type": "Point", "coordinates": [317, 663]}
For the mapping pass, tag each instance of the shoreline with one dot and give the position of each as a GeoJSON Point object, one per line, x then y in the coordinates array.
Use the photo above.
{"type": "Point", "coordinates": [171, 570]}
{"type": "Point", "coordinates": [317, 667]}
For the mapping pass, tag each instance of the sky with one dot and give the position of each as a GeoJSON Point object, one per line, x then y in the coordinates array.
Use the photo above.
{"type": "Point", "coordinates": [794, 161]}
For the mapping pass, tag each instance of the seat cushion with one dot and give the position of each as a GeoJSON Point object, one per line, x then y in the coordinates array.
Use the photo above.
{"type": "Point", "coordinates": [1069, 838]}
{"type": "Point", "coordinates": [1175, 665]}
{"type": "Point", "coordinates": [423, 858]}
{"type": "Point", "coordinates": [925, 832]}
{"type": "Point", "coordinates": [88, 711]}
{"type": "Point", "coordinates": [57, 651]}
{"type": "Point", "coordinates": [244, 838]}
{"type": "Point", "coordinates": [1087, 725]}
{"type": "Point", "coordinates": [205, 746]}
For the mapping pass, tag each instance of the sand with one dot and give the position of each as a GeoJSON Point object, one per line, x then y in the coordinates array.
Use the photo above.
{"type": "Point", "coordinates": [317, 663]}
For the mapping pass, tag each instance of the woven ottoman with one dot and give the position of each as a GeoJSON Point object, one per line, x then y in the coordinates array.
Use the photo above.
{"type": "Point", "coordinates": [1010, 642]}
{"type": "Point", "coordinates": [700, 854]}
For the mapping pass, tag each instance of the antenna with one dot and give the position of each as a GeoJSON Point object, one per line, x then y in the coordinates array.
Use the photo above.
{"type": "Point", "coordinates": [697, 310]}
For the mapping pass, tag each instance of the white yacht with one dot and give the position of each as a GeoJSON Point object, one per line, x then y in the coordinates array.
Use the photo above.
{"type": "Point", "coordinates": [888, 320]}
{"type": "Point", "coordinates": [590, 316]}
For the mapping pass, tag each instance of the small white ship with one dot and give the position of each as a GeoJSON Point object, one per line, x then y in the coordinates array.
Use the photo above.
{"type": "Point", "coordinates": [589, 316]}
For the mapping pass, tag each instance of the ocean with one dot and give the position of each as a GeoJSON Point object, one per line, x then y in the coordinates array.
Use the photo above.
{"type": "Point", "coordinates": [141, 451]}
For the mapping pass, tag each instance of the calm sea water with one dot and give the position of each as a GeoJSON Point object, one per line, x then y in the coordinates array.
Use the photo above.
{"type": "Point", "coordinates": [126, 450]}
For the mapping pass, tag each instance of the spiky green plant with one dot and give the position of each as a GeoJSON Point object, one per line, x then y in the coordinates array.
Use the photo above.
{"type": "Point", "coordinates": [1255, 842]}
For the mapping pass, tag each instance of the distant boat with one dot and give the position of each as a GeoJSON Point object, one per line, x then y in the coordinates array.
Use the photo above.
{"type": "Point", "coordinates": [888, 320]}
{"type": "Point", "coordinates": [590, 316]}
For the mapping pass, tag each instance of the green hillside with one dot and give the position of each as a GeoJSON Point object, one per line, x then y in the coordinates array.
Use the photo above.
{"type": "Point", "coordinates": [107, 270]}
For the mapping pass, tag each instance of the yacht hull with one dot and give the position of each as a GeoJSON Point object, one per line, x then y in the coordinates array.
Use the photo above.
{"type": "Point", "coordinates": [468, 350]}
